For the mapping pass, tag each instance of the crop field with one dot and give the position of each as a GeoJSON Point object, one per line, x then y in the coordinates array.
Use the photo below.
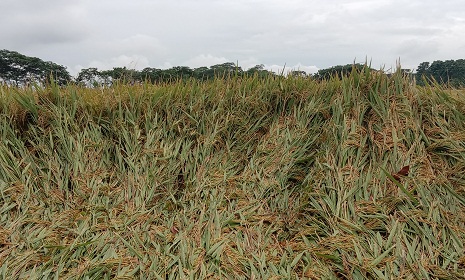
{"type": "Point", "coordinates": [235, 178]}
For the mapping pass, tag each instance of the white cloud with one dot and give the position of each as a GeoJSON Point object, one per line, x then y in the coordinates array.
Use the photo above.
{"type": "Point", "coordinates": [128, 61]}
{"type": "Point", "coordinates": [309, 69]}
{"type": "Point", "coordinates": [204, 60]}
{"type": "Point", "coordinates": [417, 48]}
{"type": "Point", "coordinates": [208, 32]}
{"type": "Point", "coordinates": [140, 43]}
{"type": "Point", "coordinates": [27, 24]}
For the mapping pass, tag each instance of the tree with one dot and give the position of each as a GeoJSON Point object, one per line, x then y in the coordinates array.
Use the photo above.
{"type": "Point", "coordinates": [120, 73]}
{"type": "Point", "coordinates": [340, 71]}
{"type": "Point", "coordinates": [90, 77]}
{"type": "Point", "coordinates": [225, 69]}
{"type": "Point", "coordinates": [19, 69]}
{"type": "Point", "coordinates": [182, 72]}
{"type": "Point", "coordinates": [152, 75]}
{"type": "Point", "coordinates": [202, 73]}
{"type": "Point", "coordinates": [298, 73]}
{"type": "Point", "coordinates": [423, 68]}
{"type": "Point", "coordinates": [12, 66]}
{"type": "Point", "coordinates": [177, 72]}
{"type": "Point", "coordinates": [59, 73]}
{"type": "Point", "coordinates": [451, 72]}
{"type": "Point", "coordinates": [260, 71]}
{"type": "Point", "coordinates": [458, 74]}
{"type": "Point", "coordinates": [256, 68]}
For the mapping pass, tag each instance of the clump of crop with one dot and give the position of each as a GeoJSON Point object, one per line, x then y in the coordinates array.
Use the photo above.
{"type": "Point", "coordinates": [238, 178]}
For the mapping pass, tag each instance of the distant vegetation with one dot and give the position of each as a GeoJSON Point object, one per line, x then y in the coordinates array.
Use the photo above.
{"type": "Point", "coordinates": [357, 176]}
{"type": "Point", "coordinates": [451, 72]}
{"type": "Point", "coordinates": [94, 77]}
{"type": "Point", "coordinates": [18, 69]}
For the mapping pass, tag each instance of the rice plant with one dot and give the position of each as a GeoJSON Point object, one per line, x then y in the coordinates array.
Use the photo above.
{"type": "Point", "coordinates": [238, 178]}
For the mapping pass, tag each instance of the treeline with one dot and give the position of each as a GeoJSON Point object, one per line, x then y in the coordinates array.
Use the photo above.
{"type": "Point", "coordinates": [94, 77]}
{"type": "Point", "coordinates": [451, 72]}
{"type": "Point", "coordinates": [18, 69]}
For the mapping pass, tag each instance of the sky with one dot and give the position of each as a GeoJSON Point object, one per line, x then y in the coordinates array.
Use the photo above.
{"type": "Point", "coordinates": [302, 34]}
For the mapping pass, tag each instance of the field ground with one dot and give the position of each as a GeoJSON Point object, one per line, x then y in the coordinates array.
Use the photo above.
{"type": "Point", "coordinates": [279, 178]}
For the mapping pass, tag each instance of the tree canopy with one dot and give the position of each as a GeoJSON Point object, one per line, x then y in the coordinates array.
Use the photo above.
{"type": "Point", "coordinates": [93, 77]}
{"type": "Point", "coordinates": [339, 70]}
{"type": "Point", "coordinates": [19, 69]}
{"type": "Point", "coordinates": [451, 72]}
{"type": "Point", "coordinates": [16, 68]}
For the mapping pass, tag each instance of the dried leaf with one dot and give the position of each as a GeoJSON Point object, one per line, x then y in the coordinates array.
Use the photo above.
{"type": "Point", "coordinates": [174, 230]}
{"type": "Point", "coordinates": [402, 172]}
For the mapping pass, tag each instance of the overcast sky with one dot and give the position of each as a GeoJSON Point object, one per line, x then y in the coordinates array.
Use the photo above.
{"type": "Point", "coordinates": [305, 34]}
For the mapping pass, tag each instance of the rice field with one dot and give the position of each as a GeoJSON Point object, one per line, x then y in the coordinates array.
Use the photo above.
{"type": "Point", "coordinates": [236, 178]}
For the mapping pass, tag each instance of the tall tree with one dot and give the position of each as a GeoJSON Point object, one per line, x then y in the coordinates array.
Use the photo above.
{"type": "Point", "coordinates": [90, 77]}
{"type": "Point", "coordinates": [451, 72]}
{"type": "Point", "coordinates": [259, 70]}
{"type": "Point", "coordinates": [18, 69]}
{"type": "Point", "coordinates": [340, 71]}
{"type": "Point", "coordinates": [298, 73]}
{"type": "Point", "coordinates": [202, 73]}
{"type": "Point", "coordinates": [225, 69]}
{"type": "Point", "coordinates": [152, 75]}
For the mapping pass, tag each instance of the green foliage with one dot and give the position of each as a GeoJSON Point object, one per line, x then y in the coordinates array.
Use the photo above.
{"type": "Point", "coordinates": [234, 178]}
{"type": "Point", "coordinates": [89, 77]}
{"type": "Point", "coordinates": [338, 71]}
{"type": "Point", "coordinates": [258, 70]}
{"type": "Point", "coordinates": [451, 72]}
{"type": "Point", "coordinates": [92, 77]}
{"type": "Point", "coordinates": [16, 68]}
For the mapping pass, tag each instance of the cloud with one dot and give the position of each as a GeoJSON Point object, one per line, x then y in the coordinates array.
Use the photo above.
{"type": "Point", "coordinates": [25, 25]}
{"type": "Point", "coordinates": [209, 60]}
{"type": "Point", "coordinates": [128, 61]}
{"type": "Point", "coordinates": [204, 60]}
{"type": "Point", "coordinates": [417, 48]}
{"type": "Point", "coordinates": [208, 32]}
{"type": "Point", "coordinates": [136, 52]}
{"type": "Point", "coordinates": [138, 43]}
{"type": "Point", "coordinates": [309, 69]}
